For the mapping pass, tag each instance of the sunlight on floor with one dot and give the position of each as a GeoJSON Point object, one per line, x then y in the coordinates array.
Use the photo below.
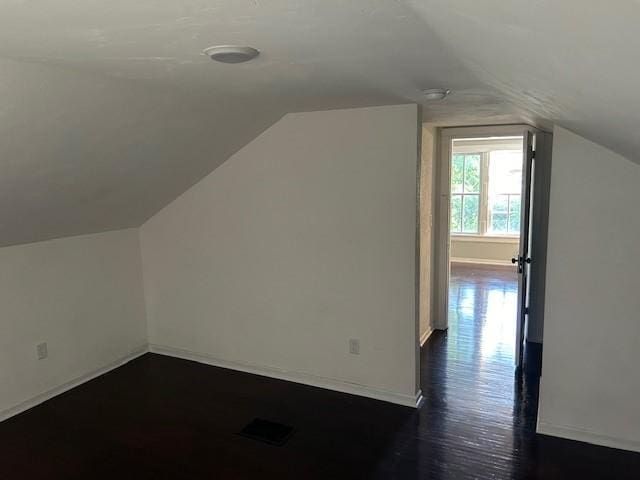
{"type": "Point", "coordinates": [482, 310]}
{"type": "Point", "coordinates": [499, 329]}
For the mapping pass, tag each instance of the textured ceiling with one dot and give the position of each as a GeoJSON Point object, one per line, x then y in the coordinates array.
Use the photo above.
{"type": "Point", "coordinates": [109, 110]}
{"type": "Point", "coordinates": [570, 62]}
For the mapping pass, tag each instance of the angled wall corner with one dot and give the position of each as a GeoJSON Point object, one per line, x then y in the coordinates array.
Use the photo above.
{"type": "Point", "coordinates": [302, 240]}
{"type": "Point", "coordinates": [81, 295]}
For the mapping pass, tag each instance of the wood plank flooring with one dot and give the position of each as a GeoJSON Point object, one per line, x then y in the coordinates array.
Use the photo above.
{"type": "Point", "coordinates": [164, 418]}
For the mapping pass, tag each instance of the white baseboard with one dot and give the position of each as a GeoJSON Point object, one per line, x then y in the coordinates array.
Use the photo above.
{"type": "Point", "coordinates": [481, 261]}
{"type": "Point", "coordinates": [291, 376]}
{"type": "Point", "coordinates": [425, 336]}
{"type": "Point", "coordinates": [586, 436]}
{"type": "Point", "coordinates": [54, 392]}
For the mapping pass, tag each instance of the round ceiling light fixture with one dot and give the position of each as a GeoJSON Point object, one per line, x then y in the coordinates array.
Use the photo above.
{"type": "Point", "coordinates": [436, 93]}
{"type": "Point", "coordinates": [231, 53]}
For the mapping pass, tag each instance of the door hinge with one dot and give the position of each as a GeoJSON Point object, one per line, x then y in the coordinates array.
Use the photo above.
{"type": "Point", "coordinates": [526, 310]}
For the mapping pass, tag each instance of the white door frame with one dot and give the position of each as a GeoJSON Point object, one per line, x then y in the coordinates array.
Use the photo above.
{"type": "Point", "coordinates": [440, 312]}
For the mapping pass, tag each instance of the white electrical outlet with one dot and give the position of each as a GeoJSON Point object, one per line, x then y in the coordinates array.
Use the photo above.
{"type": "Point", "coordinates": [354, 346]}
{"type": "Point", "coordinates": [42, 351]}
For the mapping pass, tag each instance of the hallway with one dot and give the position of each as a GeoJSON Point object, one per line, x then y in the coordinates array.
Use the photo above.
{"type": "Point", "coordinates": [488, 414]}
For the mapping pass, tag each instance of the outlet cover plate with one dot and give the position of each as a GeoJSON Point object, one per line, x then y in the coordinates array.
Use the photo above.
{"type": "Point", "coordinates": [42, 351]}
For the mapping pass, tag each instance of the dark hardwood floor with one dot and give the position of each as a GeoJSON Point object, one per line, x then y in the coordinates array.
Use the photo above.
{"type": "Point", "coordinates": [164, 418]}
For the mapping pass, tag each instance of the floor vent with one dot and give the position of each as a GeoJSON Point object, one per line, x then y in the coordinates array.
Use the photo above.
{"type": "Point", "coordinates": [269, 432]}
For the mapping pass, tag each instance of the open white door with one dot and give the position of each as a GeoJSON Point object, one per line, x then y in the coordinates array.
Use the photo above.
{"type": "Point", "coordinates": [523, 260]}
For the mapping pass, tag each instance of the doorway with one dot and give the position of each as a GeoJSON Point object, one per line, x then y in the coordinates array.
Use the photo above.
{"type": "Point", "coordinates": [485, 214]}
{"type": "Point", "coordinates": [470, 370]}
{"type": "Point", "coordinates": [484, 235]}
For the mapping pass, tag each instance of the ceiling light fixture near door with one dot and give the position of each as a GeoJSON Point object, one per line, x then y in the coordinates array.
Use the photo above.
{"type": "Point", "coordinates": [436, 93]}
{"type": "Point", "coordinates": [231, 53]}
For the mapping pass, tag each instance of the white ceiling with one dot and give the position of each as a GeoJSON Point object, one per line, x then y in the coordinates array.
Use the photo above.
{"type": "Point", "coordinates": [109, 110]}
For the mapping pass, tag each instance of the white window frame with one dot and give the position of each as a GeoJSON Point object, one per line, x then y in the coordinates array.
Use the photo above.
{"type": "Point", "coordinates": [484, 147]}
{"type": "Point", "coordinates": [482, 197]}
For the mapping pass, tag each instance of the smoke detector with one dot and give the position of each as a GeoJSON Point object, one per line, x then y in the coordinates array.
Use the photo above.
{"type": "Point", "coordinates": [231, 53]}
{"type": "Point", "coordinates": [436, 93]}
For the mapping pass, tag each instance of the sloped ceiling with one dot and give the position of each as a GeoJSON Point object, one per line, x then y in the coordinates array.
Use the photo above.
{"type": "Point", "coordinates": [570, 62]}
{"type": "Point", "coordinates": [109, 110]}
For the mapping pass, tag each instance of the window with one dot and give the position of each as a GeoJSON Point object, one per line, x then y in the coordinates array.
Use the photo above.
{"type": "Point", "coordinates": [505, 184]}
{"type": "Point", "coordinates": [486, 182]}
{"type": "Point", "coordinates": [465, 189]}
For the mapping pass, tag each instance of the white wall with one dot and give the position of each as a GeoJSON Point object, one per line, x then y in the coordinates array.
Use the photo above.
{"type": "Point", "coordinates": [83, 296]}
{"type": "Point", "coordinates": [590, 382]}
{"type": "Point", "coordinates": [304, 239]}
{"type": "Point", "coordinates": [427, 192]}
{"type": "Point", "coordinates": [497, 251]}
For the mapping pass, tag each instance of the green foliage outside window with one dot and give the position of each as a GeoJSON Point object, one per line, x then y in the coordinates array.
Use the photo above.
{"type": "Point", "coordinates": [501, 198]}
{"type": "Point", "coordinates": [465, 187]}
